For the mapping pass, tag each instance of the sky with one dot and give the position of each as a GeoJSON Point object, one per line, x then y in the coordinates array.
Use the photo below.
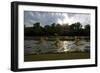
{"type": "Point", "coordinates": [47, 18]}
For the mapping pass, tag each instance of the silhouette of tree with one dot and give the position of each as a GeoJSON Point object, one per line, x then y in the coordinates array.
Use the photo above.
{"type": "Point", "coordinates": [87, 30]}
{"type": "Point", "coordinates": [74, 29]}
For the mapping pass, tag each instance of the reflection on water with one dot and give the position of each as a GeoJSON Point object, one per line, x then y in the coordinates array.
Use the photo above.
{"type": "Point", "coordinates": [42, 46]}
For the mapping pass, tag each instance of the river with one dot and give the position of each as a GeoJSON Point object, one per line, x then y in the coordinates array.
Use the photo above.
{"type": "Point", "coordinates": [50, 46]}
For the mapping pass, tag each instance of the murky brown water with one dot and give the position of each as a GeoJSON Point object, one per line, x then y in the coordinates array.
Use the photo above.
{"type": "Point", "coordinates": [34, 47]}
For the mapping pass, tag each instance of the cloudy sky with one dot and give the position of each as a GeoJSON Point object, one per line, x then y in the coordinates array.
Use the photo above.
{"type": "Point", "coordinates": [47, 18]}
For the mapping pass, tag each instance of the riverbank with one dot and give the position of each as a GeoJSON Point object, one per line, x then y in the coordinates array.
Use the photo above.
{"type": "Point", "coordinates": [62, 56]}
{"type": "Point", "coordinates": [52, 38]}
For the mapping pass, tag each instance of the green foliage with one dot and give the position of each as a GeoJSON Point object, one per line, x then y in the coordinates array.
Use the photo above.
{"type": "Point", "coordinates": [75, 29]}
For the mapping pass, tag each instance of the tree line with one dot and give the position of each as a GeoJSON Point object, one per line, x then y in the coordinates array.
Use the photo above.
{"type": "Point", "coordinates": [75, 29]}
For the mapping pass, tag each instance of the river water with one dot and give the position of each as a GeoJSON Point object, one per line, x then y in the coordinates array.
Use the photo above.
{"type": "Point", "coordinates": [34, 47]}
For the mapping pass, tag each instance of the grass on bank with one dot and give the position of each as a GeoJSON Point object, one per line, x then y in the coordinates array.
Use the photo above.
{"type": "Point", "coordinates": [57, 56]}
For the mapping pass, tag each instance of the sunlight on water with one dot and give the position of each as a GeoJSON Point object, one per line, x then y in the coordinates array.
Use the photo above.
{"type": "Point", "coordinates": [32, 46]}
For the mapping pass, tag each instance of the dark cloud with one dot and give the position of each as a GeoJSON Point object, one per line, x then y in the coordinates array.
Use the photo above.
{"type": "Point", "coordinates": [47, 18]}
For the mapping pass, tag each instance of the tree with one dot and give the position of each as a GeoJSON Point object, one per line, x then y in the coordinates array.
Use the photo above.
{"type": "Point", "coordinates": [47, 29]}
{"type": "Point", "coordinates": [87, 30]}
{"type": "Point", "coordinates": [37, 29]}
{"type": "Point", "coordinates": [87, 27]}
{"type": "Point", "coordinates": [28, 31]}
{"type": "Point", "coordinates": [58, 29]}
{"type": "Point", "coordinates": [53, 29]}
{"type": "Point", "coordinates": [64, 29]}
{"type": "Point", "coordinates": [75, 28]}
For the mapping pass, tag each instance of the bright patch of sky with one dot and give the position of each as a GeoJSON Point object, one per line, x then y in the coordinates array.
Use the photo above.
{"type": "Point", "coordinates": [47, 18]}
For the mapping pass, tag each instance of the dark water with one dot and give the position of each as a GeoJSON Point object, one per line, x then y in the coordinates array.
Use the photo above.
{"type": "Point", "coordinates": [35, 46]}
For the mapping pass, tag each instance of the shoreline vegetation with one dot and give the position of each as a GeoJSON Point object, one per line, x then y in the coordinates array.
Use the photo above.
{"type": "Point", "coordinates": [75, 29]}
{"type": "Point", "coordinates": [52, 38]}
